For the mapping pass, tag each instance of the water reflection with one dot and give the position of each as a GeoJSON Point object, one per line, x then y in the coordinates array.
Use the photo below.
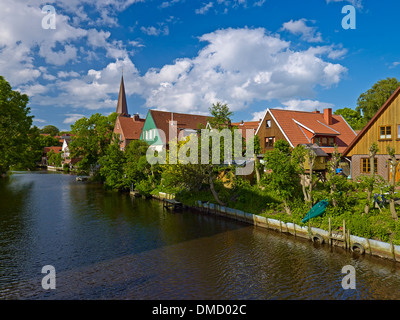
{"type": "Point", "coordinates": [105, 245]}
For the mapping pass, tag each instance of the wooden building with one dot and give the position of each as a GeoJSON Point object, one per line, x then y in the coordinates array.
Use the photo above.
{"type": "Point", "coordinates": [384, 130]}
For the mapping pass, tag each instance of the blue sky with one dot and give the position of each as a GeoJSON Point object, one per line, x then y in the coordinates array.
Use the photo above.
{"type": "Point", "coordinates": [184, 55]}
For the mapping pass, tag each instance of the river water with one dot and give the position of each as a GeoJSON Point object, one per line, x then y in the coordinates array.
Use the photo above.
{"type": "Point", "coordinates": [104, 245]}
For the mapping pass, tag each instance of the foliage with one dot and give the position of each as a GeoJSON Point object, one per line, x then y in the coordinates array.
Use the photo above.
{"type": "Point", "coordinates": [15, 125]}
{"type": "Point", "coordinates": [51, 130]}
{"type": "Point", "coordinates": [54, 159]}
{"type": "Point", "coordinates": [370, 101]}
{"type": "Point", "coordinates": [92, 137]}
{"type": "Point", "coordinates": [353, 117]}
{"type": "Point", "coordinates": [221, 116]}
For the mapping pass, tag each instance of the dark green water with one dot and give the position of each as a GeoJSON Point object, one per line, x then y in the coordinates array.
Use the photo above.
{"type": "Point", "coordinates": [110, 246]}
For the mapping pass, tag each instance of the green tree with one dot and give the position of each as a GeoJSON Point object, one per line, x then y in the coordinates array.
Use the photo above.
{"type": "Point", "coordinates": [353, 117]}
{"type": "Point", "coordinates": [394, 163]}
{"type": "Point", "coordinates": [370, 101]}
{"type": "Point", "coordinates": [92, 137]}
{"type": "Point", "coordinates": [54, 159]}
{"type": "Point", "coordinates": [221, 116]}
{"type": "Point", "coordinates": [112, 167]}
{"type": "Point", "coordinates": [51, 130]}
{"type": "Point", "coordinates": [284, 176]}
{"type": "Point", "coordinates": [15, 125]}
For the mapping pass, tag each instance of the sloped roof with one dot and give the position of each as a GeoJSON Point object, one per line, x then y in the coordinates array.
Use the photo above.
{"type": "Point", "coordinates": [122, 108]}
{"type": "Point", "coordinates": [184, 120]}
{"type": "Point", "coordinates": [245, 125]}
{"type": "Point", "coordinates": [131, 128]}
{"type": "Point", "coordinates": [299, 126]}
{"type": "Point", "coordinates": [372, 121]}
{"type": "Point", "coordinates": [55, 149]}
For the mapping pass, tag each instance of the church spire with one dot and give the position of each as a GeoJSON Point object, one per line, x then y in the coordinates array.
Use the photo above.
{"type": "Point", "coordinates": [122, 108]}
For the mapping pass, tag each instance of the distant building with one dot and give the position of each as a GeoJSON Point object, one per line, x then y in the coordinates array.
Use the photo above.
{"type": "Point", "coordinates": [156, 127]}
{"type": "Point", "coordinates": [127, 128]}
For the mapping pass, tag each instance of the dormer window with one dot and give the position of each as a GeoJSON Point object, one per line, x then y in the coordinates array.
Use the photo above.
{"type": "Point", "coordinates": [268, 124]}
{"type": "Point", "coordinates": [324, 141]}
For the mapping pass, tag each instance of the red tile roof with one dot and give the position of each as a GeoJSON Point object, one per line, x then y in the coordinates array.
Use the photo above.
{"type": "Point", "coordinates": [245, 125]}
{"type": "Point", "coordinates": [184, 120]}
{"type": "Point", "coordinates": [300, 126]}
{"type": "Point", "coordinates": [131, 128]}
{"type": "Point", "coordinates": [55, 149]}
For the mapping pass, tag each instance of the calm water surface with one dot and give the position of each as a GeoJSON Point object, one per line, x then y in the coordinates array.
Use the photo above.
{"type": "Point", "coordinates": [105, 245]}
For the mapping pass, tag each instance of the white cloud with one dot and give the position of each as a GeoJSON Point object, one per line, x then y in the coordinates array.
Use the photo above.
{"type": "Point", "coordinates": [72, 118]}
{"type": "Point", "coordinates": [153, 31]}
{"type": "Point", "coordinates": [356, 3]}
{"type": "Point", "coordinates": [306, 105]}
{"type": "Point", "coordinates": [299, 27]}
{"type": "Point", "coordinates": [205, 8]}
{"type": "Point", "coordinates": [239, 66]}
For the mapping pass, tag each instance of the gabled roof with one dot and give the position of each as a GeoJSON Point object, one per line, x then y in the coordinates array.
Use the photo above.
{"type": "Point", "coordinates": [300, 126]}
{"type": "Point", "coordinates": [184, 120]}
{"type": "Point", "coordinates": [130, 127]}
{"type": "Point", "coordinates": [372, 121]}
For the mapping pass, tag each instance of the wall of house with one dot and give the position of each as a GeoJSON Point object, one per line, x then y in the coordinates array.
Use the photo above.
{"type": "Point", "coordinates": [390, 117]}
{"type": "Point", "coordinates": [265, 132]}
{"type": "Point", "coordinates": [149, 124]}
{"type": "Point", "coordinates": [382, 168]}
{"type": "Point", "coordinates": [118, 131]}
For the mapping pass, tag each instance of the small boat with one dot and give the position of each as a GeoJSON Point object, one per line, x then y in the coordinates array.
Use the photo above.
{"type": "Point", "coordinates": [82, 178]}
{"type": "Point", "coordinates": [317, 210]}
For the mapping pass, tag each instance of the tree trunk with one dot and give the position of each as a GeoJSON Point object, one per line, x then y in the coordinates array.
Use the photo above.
{"type": "Point", "coordinates": [394, 163]}
{"type": "Point", "coordinates": [367, 205]}
{"type": "Point", "coordinates": [214, 193]}
{"type": "Point", "coordinates": [393, 210]}
{"type": "Point", "coordinates": [256, 164]}
{"type": "Point", "coordinates": [287, 208]}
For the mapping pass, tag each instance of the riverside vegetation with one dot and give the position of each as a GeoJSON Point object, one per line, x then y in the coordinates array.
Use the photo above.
{"type": "Point", "coordinates": [281, 188]}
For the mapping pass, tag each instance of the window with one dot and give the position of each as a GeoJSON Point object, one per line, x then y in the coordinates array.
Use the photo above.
{"type": "Point", "coordinates": [365, 166]}
{"type": "Point", "coordinates": [398, 131]}
{"type": "Point", "coordinates": [385, 132]}
{"type": "Point", "coordinates": [269, 142]}
{"type": "Point", "coordinates": [268, 124]}
{"type": "Point", "coordinates": [117, 125]}
{"type": "Point", "coordinates": [325, 141]}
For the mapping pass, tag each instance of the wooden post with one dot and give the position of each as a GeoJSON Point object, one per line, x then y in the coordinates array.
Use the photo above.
{"type": "Point", "coordinates": [330, 233]}
{"type": "Point", "coordinates": [280, 223]}
{"type": "Point", "coordinates": [392, 250]}
{"type": "Point", "coordinates": [344, 234]}
{"type": "Point", "coordinates": [294, 228]}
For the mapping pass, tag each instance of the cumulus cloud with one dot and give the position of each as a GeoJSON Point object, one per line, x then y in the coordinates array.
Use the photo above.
{"type": "Point", "coordinates": [239, 66]}
{"type": "Point", "coordinates": [299, 27]}
{"type": "Point", "coordinates": [72, 118]}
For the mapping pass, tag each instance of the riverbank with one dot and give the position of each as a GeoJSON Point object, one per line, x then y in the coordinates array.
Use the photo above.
{"type": "Point", "coordinates": [339, 238]}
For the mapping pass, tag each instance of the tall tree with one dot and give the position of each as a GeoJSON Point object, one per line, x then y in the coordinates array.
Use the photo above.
{"type": "Point", "coordinates": [51, 130]}
{"type": "Point", "coordinates": [221, 116]}
{"type": "Point", "coordinates": [353, 117]}
{"type": "Point", "coordinates": [15, 124]}
{"type": "Point", "coordinates": [92, 137]}
{"type": "Point", "coordinates": [393, 168]}
{"type": "Point", "coordinates": [284, 177]}
{"type": "Point", "coordinates": [370, 101]}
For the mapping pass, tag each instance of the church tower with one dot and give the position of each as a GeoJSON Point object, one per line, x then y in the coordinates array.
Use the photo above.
{"type": "Point", "coordinates": [122, 108]}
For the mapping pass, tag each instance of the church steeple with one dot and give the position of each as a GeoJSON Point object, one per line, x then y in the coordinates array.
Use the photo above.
{"type": "Point", "coordinates": [122, 108]}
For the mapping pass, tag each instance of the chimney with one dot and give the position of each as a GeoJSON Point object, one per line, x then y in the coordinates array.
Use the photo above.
{"type": "Point", "coordinates": [136, 117]}
{"type": "Point", "coordinates": [328, 116]}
